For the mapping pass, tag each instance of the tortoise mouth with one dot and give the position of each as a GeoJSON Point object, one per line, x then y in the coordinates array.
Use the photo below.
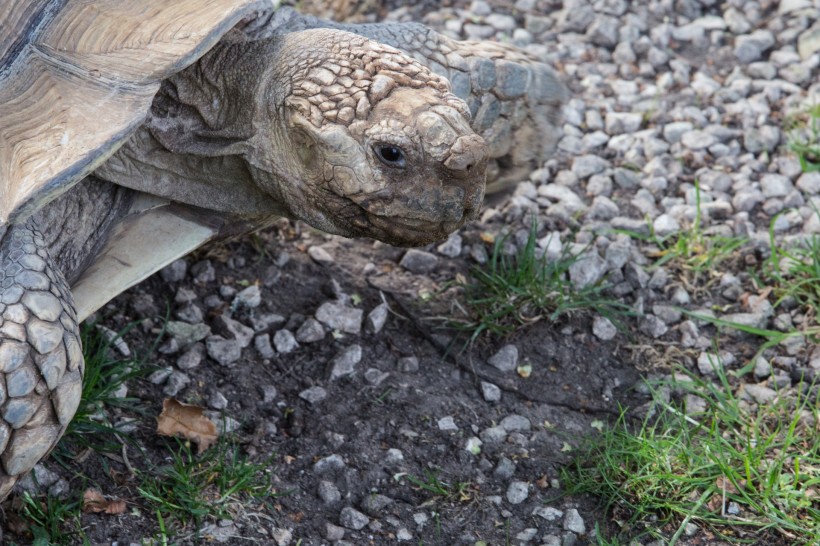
{"type": "Point", "coordinates": [413, 232]}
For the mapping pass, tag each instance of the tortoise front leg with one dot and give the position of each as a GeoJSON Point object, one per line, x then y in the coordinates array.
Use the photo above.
{"type": "Point", "coordinates": [41, 361]}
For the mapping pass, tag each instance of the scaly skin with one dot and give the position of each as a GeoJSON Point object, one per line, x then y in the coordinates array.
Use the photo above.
{"type": "Point", "coordinates": [343, 132]}
{"type": "Point", "coordinates": [40, 354]}
{"type": "Point", "coordinates": [299, 120]}
{"type": "Point", "coordinates": [290, 124]}
{"type": "Point", "coordinates": [515, 100]}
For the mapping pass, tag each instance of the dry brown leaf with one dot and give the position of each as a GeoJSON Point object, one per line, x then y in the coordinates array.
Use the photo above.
{"type": "Point", "coordinates": [715, 504]}
{"type": "Point", "coordinates": [94, 502]}
{"type": "Point", "coordinates": [187, 421]}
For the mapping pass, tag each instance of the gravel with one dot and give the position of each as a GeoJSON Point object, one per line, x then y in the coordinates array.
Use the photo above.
{"type": "Point", "coordinates": [340, 317]}
{"type": "Point", "coordinates": [490, 392]}
{"type": "Point", "coordinates": [353, 519]}
{"type": "Point", "coordinates": [225, 351]}
{"type": "Point", "coordinates": [344, 364]}
{"type": "Point", "coordinates": [263, 346]}
{"type": "Point", "coordinates": [377, 318]}
{"type": "Point", "coordinates": [310, 331]}
{"type": "Point", "coordinates": [648, 118]}
{"type": "Point", "coordinates": [505, 360]}
{"type": "Point", "coordinates": [313, 395]}
{"type": "Point", "coordinates": [574, 522]}
{"type": "Point", "coordinates": [284, 341]}
{"type": "Point", "coordinates": [419, 261]}
{"type": "Point", "coordinates": [517, 492]}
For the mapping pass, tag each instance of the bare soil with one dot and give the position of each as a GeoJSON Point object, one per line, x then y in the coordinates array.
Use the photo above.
{"type": "Point", "coordinates": [574, 381]}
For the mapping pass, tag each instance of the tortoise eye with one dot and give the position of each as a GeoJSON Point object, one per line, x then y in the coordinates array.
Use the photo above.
{"type": "Point", "coordinates": [392, 156]}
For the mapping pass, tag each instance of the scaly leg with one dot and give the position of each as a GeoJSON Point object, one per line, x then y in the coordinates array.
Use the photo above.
{"type": "Point", "coordinates": [41, 361]}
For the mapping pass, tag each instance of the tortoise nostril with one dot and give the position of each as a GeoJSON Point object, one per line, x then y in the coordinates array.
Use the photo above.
{"type": "Point", "coordinates": [467, 152]}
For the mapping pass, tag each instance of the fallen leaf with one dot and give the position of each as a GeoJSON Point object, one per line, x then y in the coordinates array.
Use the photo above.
{"type": "Point", "coordinates": [187, 421]}
{"type": "Point", "coordinates": [94, 502]}
{"type": "Point", "coordinates": [715, 504]}
{"type": "Point", "coordinates": [17, 524]}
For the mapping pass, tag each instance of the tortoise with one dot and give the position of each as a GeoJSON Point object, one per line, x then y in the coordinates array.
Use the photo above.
{"type": "Point", "coordinates": [132, 133]}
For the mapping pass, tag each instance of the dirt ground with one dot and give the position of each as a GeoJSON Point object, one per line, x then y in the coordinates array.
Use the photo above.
{"type": "Point", "coordinates": [401, 434]}
{"type": "Point", "coordinates": [574, 381]}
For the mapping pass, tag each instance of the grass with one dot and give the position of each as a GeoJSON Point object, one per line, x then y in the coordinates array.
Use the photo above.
{"type": "Point", "coordinates": [692, 251]}
{"type": "Point", "coordinates": [215, 484]}
{"type": "Point", "coordinates": [790, 274]}
{"type": "Point", "coordinates": [735, 468]}
{"type": "Point", "coordinates": [513, 291]}
{"type": "Point", "coordinates": [442, 490]}
{"type": "Point", "coordinates": [794, 273]}
{"type": "Point", "coordinates": [804, 138]}
{"type": "Point", "coordinates": [105, 373]}
{"type": "Point", "coordinates": [48, 518]}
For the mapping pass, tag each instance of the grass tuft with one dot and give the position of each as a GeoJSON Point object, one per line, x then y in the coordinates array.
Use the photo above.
{"type": "Point", "coordinates": [693, 252]}
{"type": "Point", "coordinates": [46, 520]}
{"type": "Point", "coordinates": [513, 291]}
{"type": "Point", "coordinates": [804, 139]}
{"type": "Point", "coordinates": [725, 463]}
{"type": "Point", "coordinates": [105, 374]}
{"type": "Point", "coordinates": [215, 484]}
{"type": "Point", "coordinates": [794, 273]}
{"type": "Point", "coordinates": [440, 489]}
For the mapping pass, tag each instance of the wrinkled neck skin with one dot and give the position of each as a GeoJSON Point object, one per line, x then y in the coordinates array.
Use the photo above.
{"type": "Point", "coordinates": [226, 118]}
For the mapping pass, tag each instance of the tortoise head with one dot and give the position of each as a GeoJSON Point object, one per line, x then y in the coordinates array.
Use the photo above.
{"type": "Point", "coordinates": [381, 148]}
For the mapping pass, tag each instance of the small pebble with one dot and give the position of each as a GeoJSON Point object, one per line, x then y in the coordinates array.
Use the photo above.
{"type": "Point", "coordinates": [408, 364]}
{"type": "Point", "coordinates": [574, 522]}
{"type": "Point", "coordinates": [353, 519]}
{"type": "Point", "coordinates": [313, 395]}
{"type": "Point", "coordinates": [328, 492]}
{"type": "Point", "coordinates": [340, 317]}
{"type": "Point", "coordinates": [447, 424]}
{"type": "Point", "coordinates": [419, 261]}
{"type": "Point", "coordinates": [285, 342]}
{"type": "Point", "coordinates": [377, 318]}
{"type": "Point", "coordinates": [263, 346]}
{"type": "Point", "coordinates": [217, 401]}
{"type": "Point", "coordinates": [506, 359]}
{"type": "Point", "coordinates": [515, 423]}
{"type": "Point", "coordinates": [517, 492]}
{"type": "Point", "coordinates": [490, 392]}
{"type": "Point", "coordinates": [310, 331]}
{"type": "Point", "coordinates": [320, 255]}
{"type": "Point", "coordinates": [344, 364]}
